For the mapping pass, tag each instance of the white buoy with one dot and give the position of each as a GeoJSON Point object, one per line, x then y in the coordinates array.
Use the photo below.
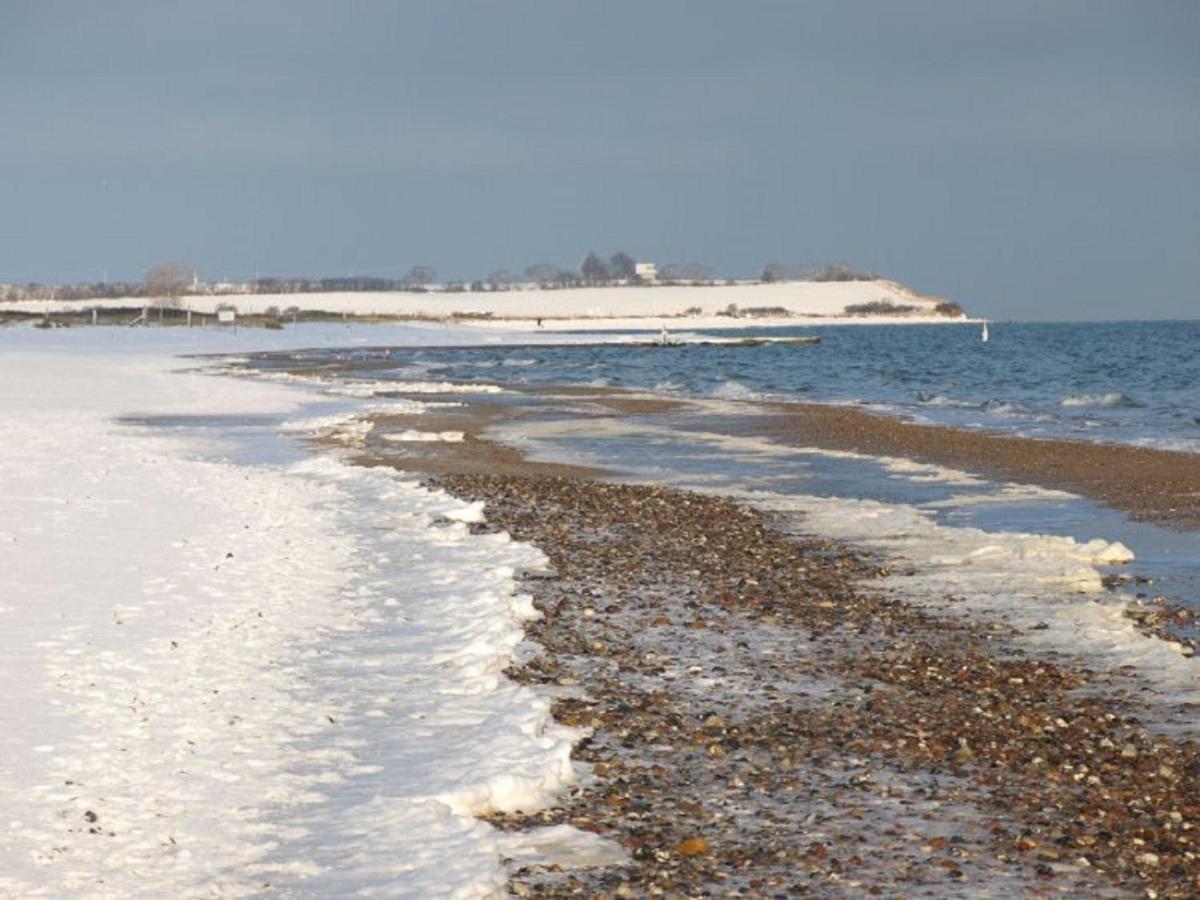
{"type": "Point", "coordinates": [984, 336]}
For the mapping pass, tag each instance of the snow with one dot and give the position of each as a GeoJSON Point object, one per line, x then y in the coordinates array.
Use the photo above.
{"type": "Point", "coordinates": [575, 308]}
{"type": "Point", "coordinates": [225, 678]}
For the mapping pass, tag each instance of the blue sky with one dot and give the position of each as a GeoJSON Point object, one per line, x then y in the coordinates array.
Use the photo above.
{"type": "Point", "coordinates": [1029, 159]}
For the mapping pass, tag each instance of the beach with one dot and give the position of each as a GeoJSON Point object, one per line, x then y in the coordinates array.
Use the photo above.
{"type": "Point", "coordinates": [651, 586]}
{"type": "Point", "coordinates": [767, 719]}
{"type": "Point", "coordinates": [465, 452]}
{"type": "Point", "coordinates": [763, 725]}
{"type": "Point", "coordinates": [466, 650]}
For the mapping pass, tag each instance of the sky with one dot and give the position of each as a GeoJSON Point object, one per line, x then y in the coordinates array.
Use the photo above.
{"type": "Point", "coordinates": [1031, 159]}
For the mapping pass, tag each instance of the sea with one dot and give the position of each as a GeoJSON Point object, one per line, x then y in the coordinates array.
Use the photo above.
{"type": "Point", "coordinates": [1059, 569]}
{"type": "Point", "coordinates": [1124, 382]}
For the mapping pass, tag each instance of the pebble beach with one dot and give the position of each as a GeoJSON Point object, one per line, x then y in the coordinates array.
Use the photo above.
{"type": "Point", "coordinates": [763, 720]}
{"type": "Point", "coordinates": [762, 724]}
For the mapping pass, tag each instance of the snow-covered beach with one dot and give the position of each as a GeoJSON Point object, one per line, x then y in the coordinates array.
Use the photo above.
{"type": "Point", "coordinates": [242, 665]}
{"type": "Point", "coordinates": [225, 678]}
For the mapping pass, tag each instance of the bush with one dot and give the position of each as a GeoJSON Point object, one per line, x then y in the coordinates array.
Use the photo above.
{"type": "Point", "coordinates": [762, 312]}
{"type": "Point", "coordinates": [880, 308]}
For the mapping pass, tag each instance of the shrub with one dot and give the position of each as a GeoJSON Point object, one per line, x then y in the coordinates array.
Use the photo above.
{"type": "Point", "coordinates": [880, 308]}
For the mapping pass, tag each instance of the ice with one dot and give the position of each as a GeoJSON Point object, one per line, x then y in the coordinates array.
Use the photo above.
{"type": "Point", "coordinates": [1048, 587]}
{"type": "Point", "coordinates": [410, 435]}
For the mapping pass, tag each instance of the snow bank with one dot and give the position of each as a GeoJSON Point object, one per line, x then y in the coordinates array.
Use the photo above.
{"type": "Point", "coordinates": [222, 679]}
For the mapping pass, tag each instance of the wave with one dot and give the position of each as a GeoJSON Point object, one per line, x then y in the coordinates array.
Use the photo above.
{"type": "Point", "coordinates": [1178, 445]}
{"type": "Point", "coordinates": [929, 398]}
{"type": "Point", "coordinates": [1005, 408]}
{"type": "Point", "coordinates": [1113, 398]}
{"type": "Point", "coordinates": [735, 390]}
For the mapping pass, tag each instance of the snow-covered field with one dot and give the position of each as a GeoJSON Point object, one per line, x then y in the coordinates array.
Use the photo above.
{"type": "Point", "coordinates": [601, 307]}
{"type": "Point", "coordinates": [224, 676]}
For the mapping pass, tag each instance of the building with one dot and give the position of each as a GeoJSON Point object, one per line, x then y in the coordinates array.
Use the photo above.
{"type": "Point", "coordinates": [646, 272]}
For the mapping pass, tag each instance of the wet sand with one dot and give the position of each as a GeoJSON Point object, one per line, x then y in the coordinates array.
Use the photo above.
{"type": "Point", "coordinates": [1152, 485]}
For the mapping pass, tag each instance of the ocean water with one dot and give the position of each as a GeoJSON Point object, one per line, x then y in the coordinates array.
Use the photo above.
{"type": "Point", "coordinates": [1128, 382]}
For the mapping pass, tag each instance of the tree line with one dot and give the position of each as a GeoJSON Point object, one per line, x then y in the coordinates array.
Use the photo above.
{"type": "Point", "coordinates": [175, 279]}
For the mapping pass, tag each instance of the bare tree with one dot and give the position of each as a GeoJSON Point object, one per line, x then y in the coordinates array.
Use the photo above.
{"type": "Point", "coordinates": [622, 265]}
{"type": "Point", "coordinates": [542, 273]}
{"type": "Point", "coordinates": [594, 270]}
{"type": "Point", "coordinates": [775, 271]}
{"type": "Point", "coordinates": [421, 275]}
{"type": "Point", "coordinates": [500, 279]}
{"type": "Point", "coordinates": [167, 282]}
{"type": "Point", "coordinates": [568, 278]}
{"type": "Point", "coordinates": [670, 273]}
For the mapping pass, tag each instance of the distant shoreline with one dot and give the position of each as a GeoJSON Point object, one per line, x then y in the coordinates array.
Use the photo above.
{"type": "Point", "coordinates": [755, 305]}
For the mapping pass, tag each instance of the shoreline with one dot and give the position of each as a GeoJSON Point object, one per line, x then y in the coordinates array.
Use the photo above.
{"type": "Point", "coordinates": [762, 722]}
{"type": "Point", "coordinates": [54, 315]}
{"type": "Point", "coordinates": [528, 303]}
{"type": "Point", "coordinates": [1153, 485]}
{"type": "Point", "coordinates": [1148, 484]}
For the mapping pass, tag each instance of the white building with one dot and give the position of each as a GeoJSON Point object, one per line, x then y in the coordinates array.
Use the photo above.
{"type": "Point", "coordinates": [646, 272]}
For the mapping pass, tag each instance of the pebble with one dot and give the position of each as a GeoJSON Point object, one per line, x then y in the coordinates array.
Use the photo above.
{"type": "Point", "coordinates": [699, 732]}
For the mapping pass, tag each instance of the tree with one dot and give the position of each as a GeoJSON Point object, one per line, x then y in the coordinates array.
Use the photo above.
{"type": "Point", "coordinates": [594, 270]}
{"type": "Point", "coordinates": [542, 273]}
{"type": "Point", "coordinates": [421, 275]}
{"type": "Point", "coordinates": [568, 278]}
{"type": "Point", "coordinates": [500, 279]}
{"type": "Point", "coordinates": [622, 265]}
{"type": "Point", "coordinates": [169, 281]}
{"type": "Point", "coordinates": [774, 271]}
{"type": "Point", "coordinates": [670, 272]}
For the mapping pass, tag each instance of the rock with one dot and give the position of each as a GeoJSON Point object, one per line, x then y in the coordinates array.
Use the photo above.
{"type": "Point", "coordinates": [693, 846]}
{"type": "Point", "coordinates": [963, 755]}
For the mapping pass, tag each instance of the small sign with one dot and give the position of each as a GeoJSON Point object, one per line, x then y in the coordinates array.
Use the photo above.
{"type": "Point", "coordinates": [225, 316]}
